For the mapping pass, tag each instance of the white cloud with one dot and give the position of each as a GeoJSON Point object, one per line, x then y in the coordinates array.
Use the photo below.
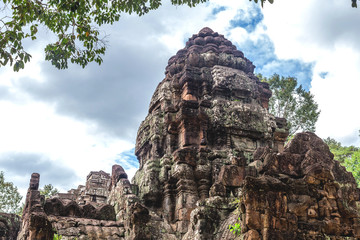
{"type": "Point", "coordinates": [338, 94]}
{"type": "Point", "coordinates": [323, 33]}
{"type": "Point", "coordinates": [35, 128]}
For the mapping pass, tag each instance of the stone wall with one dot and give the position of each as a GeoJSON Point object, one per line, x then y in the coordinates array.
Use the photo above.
{"type": "Point", "coordinates": [302, 193]}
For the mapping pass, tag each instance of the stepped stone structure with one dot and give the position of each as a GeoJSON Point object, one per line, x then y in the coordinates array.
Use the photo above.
{"type": "Point", "coordinates": [211, 156]}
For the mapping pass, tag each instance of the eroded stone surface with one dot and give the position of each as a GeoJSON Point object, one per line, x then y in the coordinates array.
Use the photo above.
{"type": "Point", "coordinates": [86, 228]}
{"type": "Point", "coordinates": [302, 194]}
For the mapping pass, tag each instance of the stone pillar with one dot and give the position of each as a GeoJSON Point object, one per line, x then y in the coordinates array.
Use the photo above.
{"type": "Point", "coordinates": [34, 181]}
{"type": "Point", "coordinates": [186, 195]}
{"type": "Point", "coordinates": [280, 135]}
{"type": "Point", "coordinates": [189, 132]}
{"type": "Point", "coordinates": [35, 224]}
{"type": "Point", "coordinates": [117, 173]}
{"type": "Point", "coordinates": [203, 175]}
{"type": "Point", "coordinates": [169, 201]}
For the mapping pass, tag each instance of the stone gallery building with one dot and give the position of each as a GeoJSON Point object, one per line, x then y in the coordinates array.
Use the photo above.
{"type": "Point", "coordinates": [210, 156]}
{"type": "Point", "coordinates": [96, 189]}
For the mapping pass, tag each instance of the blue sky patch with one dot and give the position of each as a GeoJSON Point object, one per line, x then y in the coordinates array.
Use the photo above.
{"type": "Point", "coordinates": [218, 9]}
{"type": "Point", "coordinates": [247, 19]}
{"type": "Point", "coordinates": [262, 53]}
{"type": "Point", "coordinates": [294, 68]}
{"type": "Point", "coordinates": [128, 159]}
{"type": "Point", "coordinates": [323, 75]}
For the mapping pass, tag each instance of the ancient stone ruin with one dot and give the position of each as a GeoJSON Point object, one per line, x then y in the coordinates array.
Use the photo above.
{"type": "Point", "coordinates": [41, 219]}
{"type": "Point", "coordinates": [210, 156]}
{"type": "Point", "coordinates": [96, 189]}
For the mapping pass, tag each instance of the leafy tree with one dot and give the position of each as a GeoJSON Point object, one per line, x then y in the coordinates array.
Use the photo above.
{"type": "Point", "coordinates": [48, 191]}
{"type": "Point", "coordinates": [9, 196]}
{"type": "Point", "coordinates": [293, 103]}
{"type": "Point", "coordinates": [348, 156]}
{"type": "Point", "coordinates": [352, 164]}
{"type": "Point", "coordinates": [75, 23]}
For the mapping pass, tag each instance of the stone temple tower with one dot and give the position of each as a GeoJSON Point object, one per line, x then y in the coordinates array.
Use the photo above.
{"type": "Point", "coordinates": [205, 120]}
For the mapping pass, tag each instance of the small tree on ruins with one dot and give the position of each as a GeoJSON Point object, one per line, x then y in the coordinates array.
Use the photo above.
{"type": "Point", "coordinates": [292, 102]}
{"type": "Point", "coordinates": [48, 191]}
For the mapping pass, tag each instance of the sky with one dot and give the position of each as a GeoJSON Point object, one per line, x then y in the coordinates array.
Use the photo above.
{"type": "Point", "coordinates": [65, 123]}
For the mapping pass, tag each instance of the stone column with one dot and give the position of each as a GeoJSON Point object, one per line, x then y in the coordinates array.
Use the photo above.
{"type": "Point", "coordinates": [35, 224]}
{"type": "Point", "coordinates": [186, 195]}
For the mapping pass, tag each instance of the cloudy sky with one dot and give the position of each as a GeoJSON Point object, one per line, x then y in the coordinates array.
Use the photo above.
{"type": "Point", "coordinates": [65, 123]}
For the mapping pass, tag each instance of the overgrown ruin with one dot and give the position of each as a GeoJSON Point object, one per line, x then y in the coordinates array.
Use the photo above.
{"type": "Point", "coordinates": [208, 140]}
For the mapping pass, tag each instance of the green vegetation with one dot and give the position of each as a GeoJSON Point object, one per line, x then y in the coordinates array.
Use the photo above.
{"type": "Point", "coordinates": [348, 156]}
{"type": "Point", "coordinates": [9, 196]}
{"type": "Point", "coordinates": [48, 191]}
{"type": "Point", "coordinates": [75, 23]}
{"type": "Point", "coordinates": [340, 153]}
{"type": "Point", "coordinates": [293, 103]}
{"type": "Point", "coordinates": [57, 237]}
{"type": "Point", "coordinates": [236, 228]}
